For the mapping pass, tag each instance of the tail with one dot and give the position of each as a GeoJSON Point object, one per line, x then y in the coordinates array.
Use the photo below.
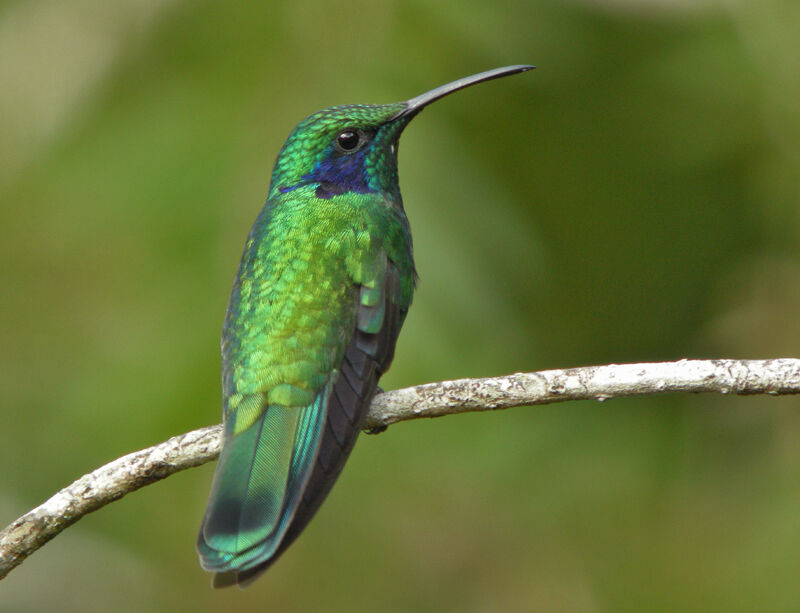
{"type": "Point", "coordinates": [260, 478]}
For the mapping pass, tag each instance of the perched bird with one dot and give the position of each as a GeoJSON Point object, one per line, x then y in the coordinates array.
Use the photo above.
{"type": "Point", "coordinates": [324, 285]}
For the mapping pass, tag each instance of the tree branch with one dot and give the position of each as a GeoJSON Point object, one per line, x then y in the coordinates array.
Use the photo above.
{"type": "Point", "coordinates": [135, 470]}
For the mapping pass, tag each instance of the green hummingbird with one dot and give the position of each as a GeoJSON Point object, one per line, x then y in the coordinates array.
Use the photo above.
{"type": "Point", "coordinates": [323, 287]}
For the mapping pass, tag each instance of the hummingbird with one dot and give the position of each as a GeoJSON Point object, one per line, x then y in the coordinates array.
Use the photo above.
{"type": "Point", "coordinates": [323, 287]}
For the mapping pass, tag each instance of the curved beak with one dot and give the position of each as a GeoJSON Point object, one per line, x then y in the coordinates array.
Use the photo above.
{"type": "Point", "coordinates": [415, 105]}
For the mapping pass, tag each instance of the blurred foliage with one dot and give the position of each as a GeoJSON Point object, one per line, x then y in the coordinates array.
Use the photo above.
{"type": "Point", "coordinates": [634, 198]}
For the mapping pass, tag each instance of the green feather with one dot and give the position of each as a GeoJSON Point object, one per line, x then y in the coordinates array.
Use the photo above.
{"type": "Point", "coordinates": [261, 475]}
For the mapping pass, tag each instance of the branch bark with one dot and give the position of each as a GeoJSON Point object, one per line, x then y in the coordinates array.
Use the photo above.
{"type": "Point", "coordinates": [135, 470]}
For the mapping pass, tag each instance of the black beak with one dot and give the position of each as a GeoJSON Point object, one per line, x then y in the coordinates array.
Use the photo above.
{"type": "Point", "coordinates": [415, 105]}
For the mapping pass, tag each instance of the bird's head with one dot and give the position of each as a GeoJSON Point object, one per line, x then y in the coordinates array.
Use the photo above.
{"type": "Point", "coordinates": [353, 148]}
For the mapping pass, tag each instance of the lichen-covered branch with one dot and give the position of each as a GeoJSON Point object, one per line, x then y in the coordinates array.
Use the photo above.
{"type": "Point", "coordinates": [135, 470]}
{"type": "Point", "coordinates": [774, 377]}
{"type": "Point", "coordinates": [106, 484]}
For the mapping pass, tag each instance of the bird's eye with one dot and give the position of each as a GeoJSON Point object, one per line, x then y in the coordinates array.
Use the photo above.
{"type": "Point", "coordinates": [348, 140]}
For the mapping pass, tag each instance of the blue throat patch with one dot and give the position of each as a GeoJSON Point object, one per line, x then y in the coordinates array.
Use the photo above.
{"type": "Point", "coordinates": [337, 174]}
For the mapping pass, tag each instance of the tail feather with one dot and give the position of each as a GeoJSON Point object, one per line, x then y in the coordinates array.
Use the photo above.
{"type": "Point", "coordinates": [260, 478]}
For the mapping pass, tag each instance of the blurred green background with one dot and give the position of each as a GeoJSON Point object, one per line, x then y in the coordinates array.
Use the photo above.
{"type": "Point", "coordinates": [635, 198]}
